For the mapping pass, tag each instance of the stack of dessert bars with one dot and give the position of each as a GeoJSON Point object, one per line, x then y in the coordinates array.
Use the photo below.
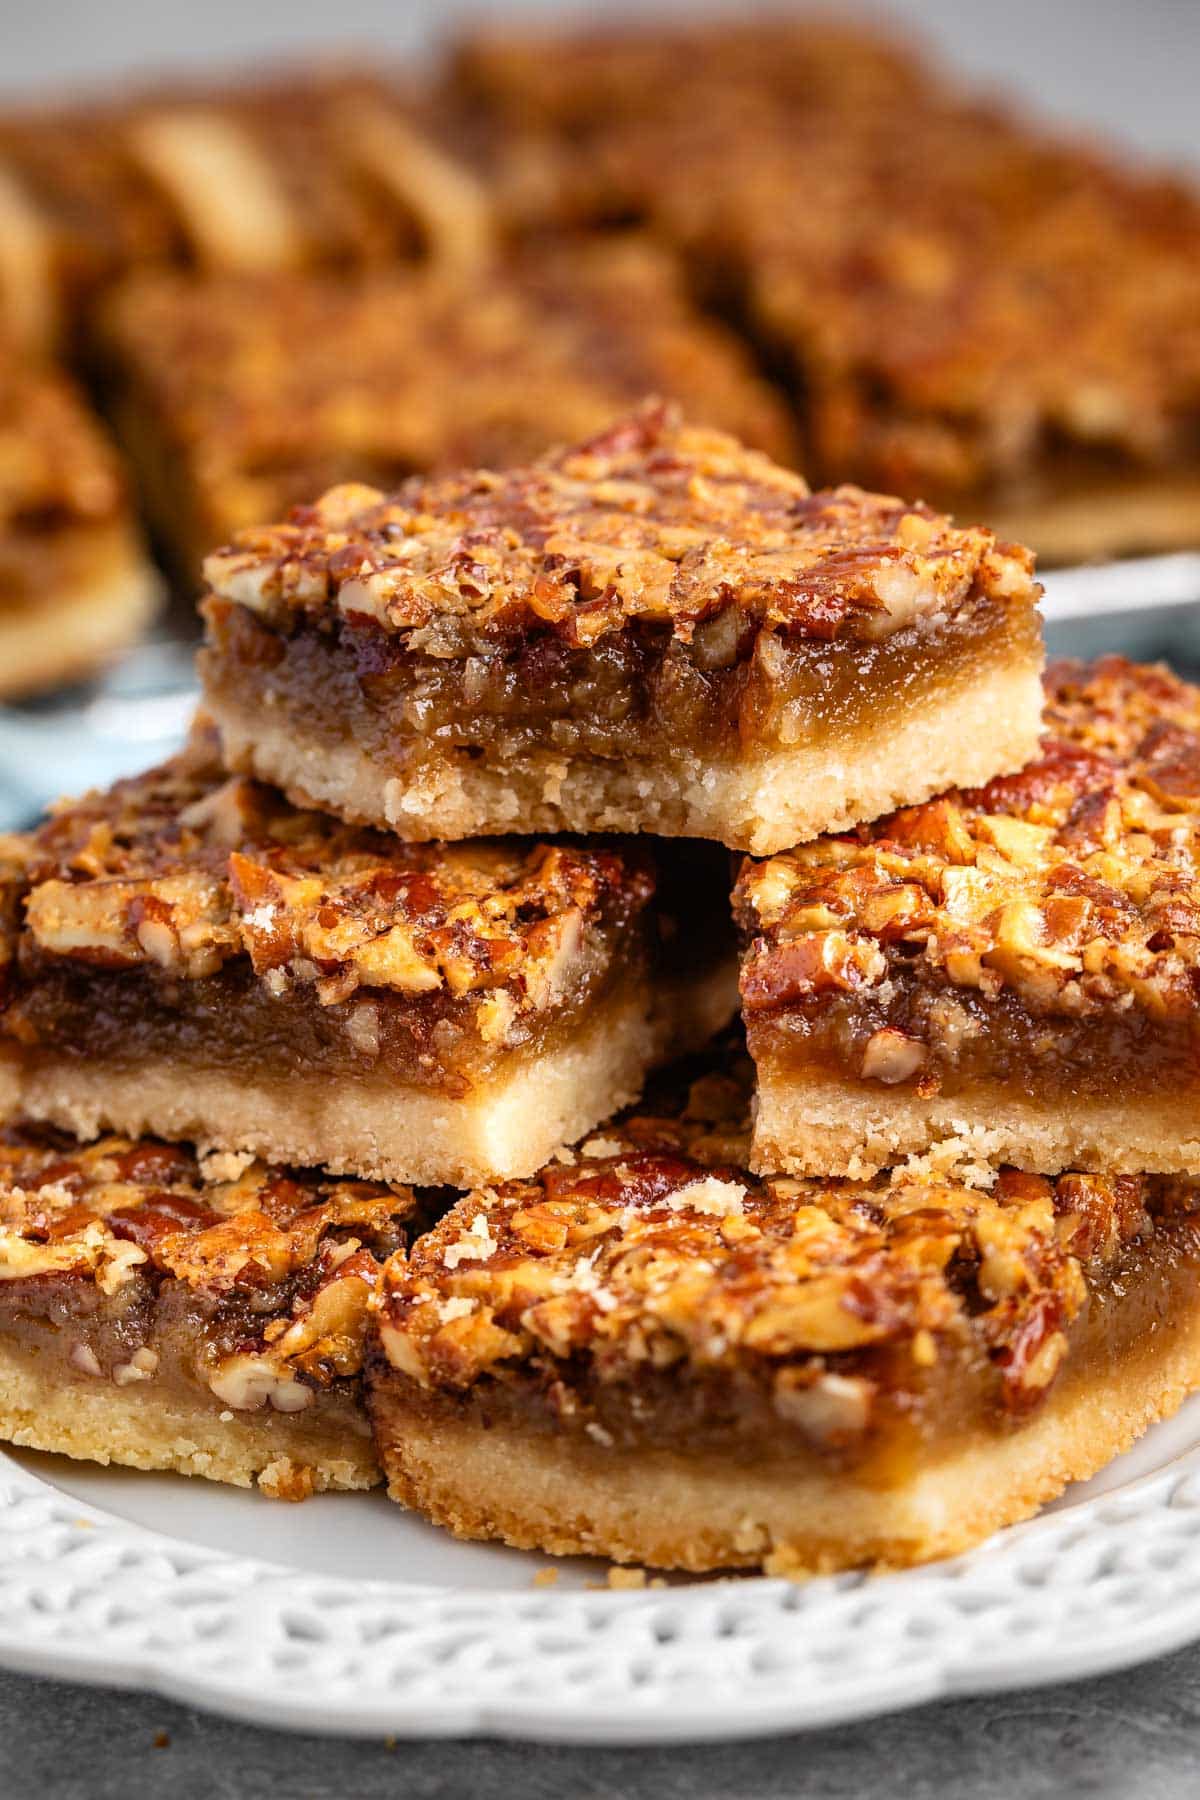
{"type": "Point", "coordinates": [381, 1102]}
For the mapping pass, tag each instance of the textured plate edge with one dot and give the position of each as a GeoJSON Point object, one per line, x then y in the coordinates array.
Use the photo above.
{"type": "Point", "coordinates": [707, 1716]}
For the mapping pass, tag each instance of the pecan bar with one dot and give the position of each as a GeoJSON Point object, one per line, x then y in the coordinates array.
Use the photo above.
{"type": "Point", "coordinates": [656, 631]}
{"type": "Point", "coordinates": [1013, 970]}
{"type": "Point", "coordinates": [238, 398]}
{"type": "Point", "coordinates": [76, 583]}
{"type": "Point", "coordinates": [966, 305]}
{"type": "Point", "coordinates": [647, 1353]}
{"type": "Point", "coordinates": [190, 956]}
{"type": "Point", "coordinates": [204, 1316]}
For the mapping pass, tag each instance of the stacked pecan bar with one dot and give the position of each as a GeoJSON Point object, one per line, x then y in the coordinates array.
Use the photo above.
{"type": "Point", "coordinates": [732, 1326]}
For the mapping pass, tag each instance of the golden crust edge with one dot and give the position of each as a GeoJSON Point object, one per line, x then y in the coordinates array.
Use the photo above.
{"type": "Point", "coordinates": [811, 1126]}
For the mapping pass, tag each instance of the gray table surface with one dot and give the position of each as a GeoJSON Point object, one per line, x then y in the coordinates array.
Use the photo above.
{"type": "Point", "coordinates": [1132, 1734]}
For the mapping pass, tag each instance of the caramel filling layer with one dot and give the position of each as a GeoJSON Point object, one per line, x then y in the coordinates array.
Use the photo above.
{"type": "Point", "coordinates": [630, 694]}
{"type": "Point", "coordinates": [953, 1041]}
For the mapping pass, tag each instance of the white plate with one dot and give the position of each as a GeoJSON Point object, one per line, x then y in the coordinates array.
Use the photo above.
{"type": "Point", "coordinates": [347, 1615]}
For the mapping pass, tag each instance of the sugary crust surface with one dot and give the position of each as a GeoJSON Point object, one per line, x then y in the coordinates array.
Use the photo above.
{"type": "Point", "coordinates": [652, 1249]}
{"type": "Point", "coordinates": [652, 525]}
{"type": "Point", "coordinates": [288, 1260]}
{"type": "Point", "coordinates": [1070, 886]}
{"type": "Point", "coordinates": [185, 869]}
{"type": "Point", "coordinates": [271, 390]}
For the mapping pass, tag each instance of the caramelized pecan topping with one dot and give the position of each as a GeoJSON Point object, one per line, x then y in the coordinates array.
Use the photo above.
{"type": "Point", "coordinates": [1073, 884]}
{"type": "Point", "coordinates": [298, 1254]}
{"type": "Point", "coordinates": [653, 1249]}
{"type": "Point", "coordinates": [652, 524]}
{"type": "Point", "coordinates": [184, 868]}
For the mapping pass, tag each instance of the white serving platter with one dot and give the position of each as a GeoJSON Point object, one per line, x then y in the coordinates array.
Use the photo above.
{"type": "Point", "coordinates": [347, 1615]}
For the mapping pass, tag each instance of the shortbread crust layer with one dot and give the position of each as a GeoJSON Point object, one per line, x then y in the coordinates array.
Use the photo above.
{"type": "Point", "coordinates": [813, 1124]}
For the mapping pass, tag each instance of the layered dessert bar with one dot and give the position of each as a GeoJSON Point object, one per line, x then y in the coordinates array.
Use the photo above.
{"type": "Point", "coordinates": [648, 1354]}
{"type": "Point", "coordinates": [658, 631]}
{"type": "Point", "coordinates": [203, 1316]}
{"type": "Point", "coordinates": [964, 304]}
{"type": "Point", "coordinates": [191, 957]}
{"type": "Point", "coordinates": [999, 321]}
{"type": "Point", "coordinates": [310, 167]}
{"type": "Point", "coordinates": [579, 129]}
{"type": "Point", "coordinates": [238, 398]}
{"type": "Point", "coordinates": [76, 583]}
{"type": "Point", "coordinates": [1010, 973]}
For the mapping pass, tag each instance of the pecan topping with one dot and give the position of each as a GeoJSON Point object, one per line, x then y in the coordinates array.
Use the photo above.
{"type": "Point", "coordinates": [652, 525]}
{"type": "Point", "coordinates": [406, 370]}
{"type": "Point", "coordinates": [297, 1255]}
{"type": "Point", "coordinates": [654, 1249]}
{"type": "Point", "coordinates": [184, 869]}
{"type": "Point", "coordinates": [1073, 884]}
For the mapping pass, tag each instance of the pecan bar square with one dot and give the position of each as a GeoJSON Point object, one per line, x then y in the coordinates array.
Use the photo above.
{"type": "Point", "coordinates": [240, 397]}
{"type": "Point", "coordinates": [657, 631]}
{"type": "Point", "coordinates": [192, 957]}
{"type": "Point", "coordinates": [965, 303]}
{"type": "Point", "coordinates": [1011, 971]}
{"type": "Point", "coordinates": [206, 1316]}
{"type": "Point", "coordinates": [649, 1354]}
{"type": "Point", "coordinates": [76, 583]}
